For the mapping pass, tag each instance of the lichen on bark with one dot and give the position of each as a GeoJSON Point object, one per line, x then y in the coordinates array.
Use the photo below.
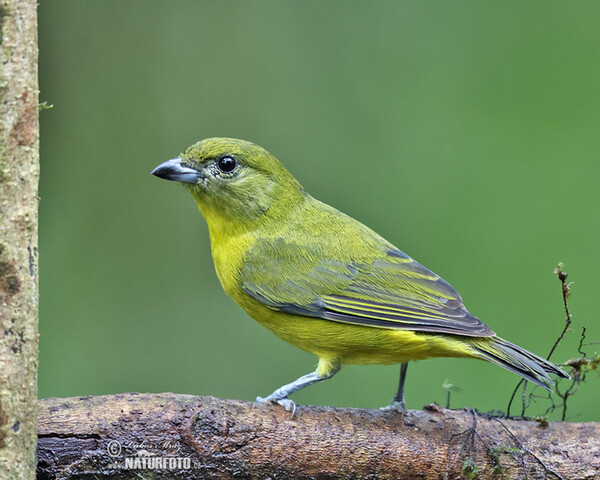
{"type": "Point", "coordinates": [19, 173]}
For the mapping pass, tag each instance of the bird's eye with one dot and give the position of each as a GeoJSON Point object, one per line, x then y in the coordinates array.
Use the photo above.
{"type": "Point", "coordinates": [226, 164]}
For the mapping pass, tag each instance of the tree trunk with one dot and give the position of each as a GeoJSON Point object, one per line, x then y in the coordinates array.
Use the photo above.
{"type": "Point", "coordinates": [19, 172]}
{"type": "Point", "coordinates": [181, 436]}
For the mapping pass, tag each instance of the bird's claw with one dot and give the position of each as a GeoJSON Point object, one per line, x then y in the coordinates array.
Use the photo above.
{"type": "Point", "coordinates": [286, 403]}
{"type": "Point", "coordinates": [399, 407]}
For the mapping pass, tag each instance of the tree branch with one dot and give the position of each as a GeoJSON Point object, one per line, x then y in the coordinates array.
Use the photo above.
{"type": "Point", "coordinates": [114, 436]}
{"type": "Point", "coordinates": [19, 172]}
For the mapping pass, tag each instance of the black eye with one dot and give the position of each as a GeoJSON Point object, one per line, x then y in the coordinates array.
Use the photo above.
{"type": "Point", "coordinates": [226, 164]}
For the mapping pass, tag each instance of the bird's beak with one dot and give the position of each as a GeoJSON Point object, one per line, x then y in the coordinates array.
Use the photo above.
{"type": "Point", "coordinates": [176, 170]}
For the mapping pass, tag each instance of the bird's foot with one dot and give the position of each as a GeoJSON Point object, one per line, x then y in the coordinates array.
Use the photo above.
{"type": "Point", "coordinates": [399, 407]}
{"type": "Point", "coordinates": [286, 403]}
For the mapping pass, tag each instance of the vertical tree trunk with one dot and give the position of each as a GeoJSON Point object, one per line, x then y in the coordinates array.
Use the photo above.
{"type": "Point", "coordinates": [19, 172]}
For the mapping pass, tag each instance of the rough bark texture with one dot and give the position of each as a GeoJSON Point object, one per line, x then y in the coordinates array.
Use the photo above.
{"type": "Point", "coordinates": [19, 171]}
{"type": "Point", "coordinates": [116, 436]}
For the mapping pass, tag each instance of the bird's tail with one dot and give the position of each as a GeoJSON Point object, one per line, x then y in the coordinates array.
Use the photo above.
{"type": "Point", "coordinates": [518, 360]}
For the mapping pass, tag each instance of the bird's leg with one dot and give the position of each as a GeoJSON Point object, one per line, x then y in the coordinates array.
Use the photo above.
{"type": "Point", "coordinates": [280, 395]}
{"type": "Point", "coordinates": [398, 403]}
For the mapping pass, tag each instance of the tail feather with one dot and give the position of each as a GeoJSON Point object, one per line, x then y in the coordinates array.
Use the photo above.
{"type": "Point", "coordinates": [518, 360]}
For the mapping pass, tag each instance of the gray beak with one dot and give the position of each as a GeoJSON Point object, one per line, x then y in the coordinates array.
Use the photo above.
{"type": "Point", "coordinates": [176, 170]}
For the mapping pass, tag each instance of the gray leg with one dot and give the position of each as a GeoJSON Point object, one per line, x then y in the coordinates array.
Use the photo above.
{"type": "Point", "coordinates": [398, 403]}
{"type": "Point", "coordinates": [280, 395]}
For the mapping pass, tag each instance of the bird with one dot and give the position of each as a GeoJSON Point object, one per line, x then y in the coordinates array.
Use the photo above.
{"type": "Point", "coordinates": [323, 281]}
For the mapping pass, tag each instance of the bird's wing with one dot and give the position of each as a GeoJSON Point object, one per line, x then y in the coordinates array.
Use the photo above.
{"type": "Point", "coordinates": [389, 291]}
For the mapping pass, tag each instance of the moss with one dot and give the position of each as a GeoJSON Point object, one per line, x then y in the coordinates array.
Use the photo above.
{"type": "Point", "coordinates": [495, 454]}
{"type": "Point", "coordinates": [3, 13]}
{"type": "Point", "coordinates": [470, 470]}
{"type": "Point", "coordinates": [45, 106]}
{"type": "Point", "coordinates": [542, 421]}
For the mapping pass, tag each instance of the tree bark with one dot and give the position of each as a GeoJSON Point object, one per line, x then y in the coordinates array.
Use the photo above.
{"type": "Point", "coordinates": [182, 436]}
{"type": "Point", "coordinates": [19, 172]}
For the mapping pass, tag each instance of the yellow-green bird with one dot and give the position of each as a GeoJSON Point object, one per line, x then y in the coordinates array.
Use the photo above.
{"type": "Point", "coordinates": [323, 281]}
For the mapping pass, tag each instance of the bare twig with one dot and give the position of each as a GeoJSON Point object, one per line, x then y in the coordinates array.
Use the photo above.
{"type": "Point", "coordinates": [566, 293]}
{"type": "Point", "coordinates": [581, 344]}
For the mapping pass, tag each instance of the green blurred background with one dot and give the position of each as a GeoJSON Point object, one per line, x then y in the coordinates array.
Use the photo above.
{"type": "Point", "coordinates": [466, 132]}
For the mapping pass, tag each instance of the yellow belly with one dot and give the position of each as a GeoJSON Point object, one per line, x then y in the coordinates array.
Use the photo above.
{"type": "Point", "coordinates": [354, 344]}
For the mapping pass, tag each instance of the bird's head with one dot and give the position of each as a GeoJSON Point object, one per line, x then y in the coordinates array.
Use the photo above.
{"type": "Point", "coordinates": [233, 181]}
